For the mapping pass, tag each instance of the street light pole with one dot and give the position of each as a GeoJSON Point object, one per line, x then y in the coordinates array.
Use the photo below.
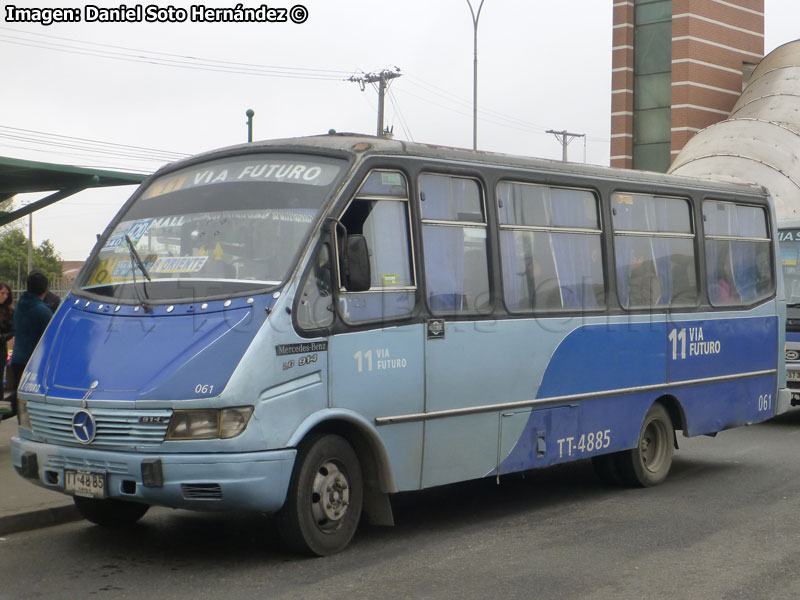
{"type": "Point", "coordinates": [475, 17]}
{"type": "Point", "coordinates": [250, 114]}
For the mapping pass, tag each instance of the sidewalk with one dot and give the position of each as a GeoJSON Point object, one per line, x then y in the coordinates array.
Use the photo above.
{"type": "Point", "coordinates": [23, 505]}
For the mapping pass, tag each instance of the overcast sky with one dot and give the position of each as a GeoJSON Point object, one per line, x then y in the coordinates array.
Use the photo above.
{"type": "Point", "coordinates": [146, 93]}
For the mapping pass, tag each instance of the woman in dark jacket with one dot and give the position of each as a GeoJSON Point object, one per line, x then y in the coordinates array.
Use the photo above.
{"type": "Point", "coordinates": [6, 325]}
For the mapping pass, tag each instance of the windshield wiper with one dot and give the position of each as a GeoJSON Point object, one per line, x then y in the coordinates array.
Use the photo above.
{"type": "Point", "coordinates": [136, 261]}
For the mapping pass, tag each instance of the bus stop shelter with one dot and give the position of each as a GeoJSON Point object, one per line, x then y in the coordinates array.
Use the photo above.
{"type": "Point", "coordinates": [25, 176]}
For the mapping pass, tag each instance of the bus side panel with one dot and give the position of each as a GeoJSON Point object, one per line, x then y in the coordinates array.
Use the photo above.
{"type": "Point", "coordinates": [705, 348]}
{"type": "Point", "coordinates": [382, 372]}
{"type": "Point", "coordinates": [284, 376]}
{"type": "Point", "coordinates": [712, 408]}
{"type": "Point", "coordinates": [602, 358]}
{"type": "Point", "coordinates": [479, 364]}
{"type": "Point", "coordinates": [510, 358]}
{"type": "Point", "coordinates": [608, 356]}
{"type": "Point", "coordinates": [566, 433]}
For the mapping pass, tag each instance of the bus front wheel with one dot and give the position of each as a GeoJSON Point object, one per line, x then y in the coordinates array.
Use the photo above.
{"type": "Point", "coordinates": [110, 513]}
{"type": "Point", "coordinates": [323, 505]}
{"type": "Point", "coordinates": [649, 462]}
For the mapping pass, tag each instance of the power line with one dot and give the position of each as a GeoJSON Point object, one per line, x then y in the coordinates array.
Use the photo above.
{"type": "Point", "coordinates": [182, 56]}
{"type": "Point", "coordinates": [432, 89]}
{"type": "Point", "coordinates": [169, 60]}
{"type": "Point", "coordinates": [130, 54]}
{"type": "Point", "coordinates": [92, 165]}
{"type": "Point", "coordinates": [87, 144]}
{"type": "Point", "coordinates": [401, 118]}
{"type": "Point", "coordinates": [96, 152]}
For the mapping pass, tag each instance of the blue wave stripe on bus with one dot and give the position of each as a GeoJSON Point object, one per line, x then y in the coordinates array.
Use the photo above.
{"type": "Point", "coordinates": [629, 355]}
{"type": "Point", "coordinates": [566, 430]}
{"type": "Point", "coordinates": [141, 357]}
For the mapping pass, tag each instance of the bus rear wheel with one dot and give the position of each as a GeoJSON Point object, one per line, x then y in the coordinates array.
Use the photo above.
{"type": "Point", "coordinates": [323, 505]}
{"type": "Point", "coordinates": [110, 513]}
{"type": "Point", "coordinates": [649, 462]}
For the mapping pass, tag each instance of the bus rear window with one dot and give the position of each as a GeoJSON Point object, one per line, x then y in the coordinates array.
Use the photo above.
{"type": "Point", "coordinates": [738, 253]}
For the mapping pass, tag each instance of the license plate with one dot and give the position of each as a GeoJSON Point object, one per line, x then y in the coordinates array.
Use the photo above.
{"type": "Point", "coordinates": [83, 483]}
{"type": "Point", "coordinates": [793, 375]}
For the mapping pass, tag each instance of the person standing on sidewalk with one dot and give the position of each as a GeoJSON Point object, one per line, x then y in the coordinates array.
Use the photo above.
{"type": "Point", "coordinates": [6, 326]}
{"type": "Point", "coordinates": [30, 320]}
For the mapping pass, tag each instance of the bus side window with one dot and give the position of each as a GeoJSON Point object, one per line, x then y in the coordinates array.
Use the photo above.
{"type": "Point", "coordinates": [315, 308]}
{"type": "Point", "coordinates": [550, 248]}
{"type": "Point", "coordinates": [737, 253]}
{"type": "Point", "coordinates": [654, 250]}
{"type": "Point", "coordinates": [454, 240]}
{"type": "Point", "coordinates": [379, 212]}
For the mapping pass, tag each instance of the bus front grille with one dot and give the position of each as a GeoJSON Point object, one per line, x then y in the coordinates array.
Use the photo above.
{"type": "Point", "coordinates": [114, 427]}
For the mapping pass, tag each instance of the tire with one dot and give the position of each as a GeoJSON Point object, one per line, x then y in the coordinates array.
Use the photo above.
{"type": "Point", "coordinates": [110, 513]}
{"type": "Point", "coordinates": [649, 462]}
{"type": "Point", "coordinates": [605, 467]}
{"type": "Point", "coordinates": [323, 504]}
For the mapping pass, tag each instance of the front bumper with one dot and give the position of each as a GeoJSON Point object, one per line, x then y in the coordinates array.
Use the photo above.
{"type": "Point", "coordinates": [253, 481]}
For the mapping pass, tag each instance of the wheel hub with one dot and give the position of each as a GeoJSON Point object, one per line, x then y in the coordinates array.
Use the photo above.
{"type": "Point", "coordinates": [330, 496]}
{"type": "Point", "coordinates": [652, 446]}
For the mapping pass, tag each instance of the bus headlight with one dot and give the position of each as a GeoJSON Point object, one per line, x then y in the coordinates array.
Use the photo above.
{"type": "Point", "coordinates": [23, 414]}
{"type": "Point", "coordinates": [208, 424]}
{"type": "Point", "coordinates": [234, 421]}
{"type": "Point", "coordinates": [193, 425]}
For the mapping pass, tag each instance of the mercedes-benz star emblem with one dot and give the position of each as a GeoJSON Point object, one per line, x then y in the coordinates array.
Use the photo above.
{"type": "Point", "coordinates": [83, 426]}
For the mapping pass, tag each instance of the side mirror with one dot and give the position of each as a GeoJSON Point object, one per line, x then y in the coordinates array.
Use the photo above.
{"type": "Point", "coordinates": [357, 275]}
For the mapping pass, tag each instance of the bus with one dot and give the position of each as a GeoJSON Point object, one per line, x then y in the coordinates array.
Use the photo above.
{"type": "Point", "coordinates": [308, 326]}
{"type": "Point", "coordinates": [789, 242]}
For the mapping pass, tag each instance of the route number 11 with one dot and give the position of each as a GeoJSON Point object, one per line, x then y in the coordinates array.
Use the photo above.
{"type": "Point", "coordinates": [676, 337]}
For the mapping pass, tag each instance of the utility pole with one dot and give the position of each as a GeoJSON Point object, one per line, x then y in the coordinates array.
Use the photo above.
{"type": "Point", "coordinates": [382, 78]}
{"type": "Point", "coordinates": [565, 137]}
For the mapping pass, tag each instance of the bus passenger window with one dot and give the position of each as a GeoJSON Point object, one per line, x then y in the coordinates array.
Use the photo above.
{"type": "Point", "coordinates": [379, 212]}
{"type": "Point", "coordinates": [550, 248]}
{"type": "Point", "coordinates": [315, 308]}
{"type": "Point", "coordinates": [654, 251]}
{"type": "Point", "coordinates": [738, 264]}
{"type": "Point", "coordinates": [454, 241]}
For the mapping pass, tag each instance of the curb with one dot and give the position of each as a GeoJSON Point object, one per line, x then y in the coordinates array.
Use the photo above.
{"type": "Point", "coordinates": [38, 518]}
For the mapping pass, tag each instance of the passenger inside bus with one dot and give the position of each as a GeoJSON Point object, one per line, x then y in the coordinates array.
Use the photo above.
{"type": "Point", "coordinates": [543, 289]}
{"type": "Point", "coordinates": [723, 290]}
{"type": "Point", "coordinates": [644, 285]}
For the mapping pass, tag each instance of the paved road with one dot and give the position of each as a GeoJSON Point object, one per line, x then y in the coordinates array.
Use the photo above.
{"type": "Point", "coordinates": [726, 524]}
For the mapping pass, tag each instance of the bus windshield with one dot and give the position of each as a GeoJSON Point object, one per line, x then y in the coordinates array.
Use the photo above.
{"type": "Point", "coordinates": [223, 227]}
{"type": "Point", "coordinates": [790, 262]}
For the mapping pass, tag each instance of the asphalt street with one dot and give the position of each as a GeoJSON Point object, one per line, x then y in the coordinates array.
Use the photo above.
{"type": "Point", "coordinates": [724, 525]}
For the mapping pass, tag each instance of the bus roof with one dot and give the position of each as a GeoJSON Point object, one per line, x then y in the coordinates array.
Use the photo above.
{"type": "Point", "coordinates": [361, 146]}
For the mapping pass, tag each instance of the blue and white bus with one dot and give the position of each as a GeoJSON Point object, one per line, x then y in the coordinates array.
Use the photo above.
{"type": "Point", "coordinates": [307, 326]}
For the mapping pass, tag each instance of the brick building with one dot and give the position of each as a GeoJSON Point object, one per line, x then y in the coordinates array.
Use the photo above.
{"type": "Point", "coordinates": [677, 67]}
